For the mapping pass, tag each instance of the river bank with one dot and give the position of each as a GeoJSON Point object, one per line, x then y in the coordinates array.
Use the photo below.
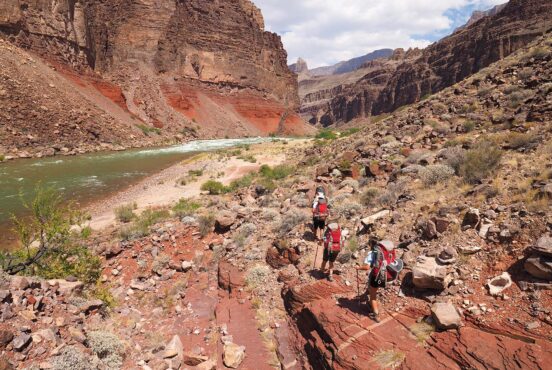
{"type": "Point", "coordinates": [167, 187]}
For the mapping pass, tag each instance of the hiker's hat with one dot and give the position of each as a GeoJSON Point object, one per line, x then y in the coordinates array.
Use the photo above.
{"type": "Point", "coordinates": [333, 226]}
{"type": "Point", "coordinates": [387, 244]}
{"type": "Point", "coordinates": [321, 196]}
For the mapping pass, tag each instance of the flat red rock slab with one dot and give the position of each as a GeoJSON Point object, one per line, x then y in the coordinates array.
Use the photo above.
{"type": "Point", "coordinates": [242, 326]}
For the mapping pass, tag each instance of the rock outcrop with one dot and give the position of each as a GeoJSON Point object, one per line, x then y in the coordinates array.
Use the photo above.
{"type": "Point", "coordinates": [204, 67]}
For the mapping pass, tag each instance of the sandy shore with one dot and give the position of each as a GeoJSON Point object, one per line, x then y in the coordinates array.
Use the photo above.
{"type": "Point", "coordinates": [165, 189]}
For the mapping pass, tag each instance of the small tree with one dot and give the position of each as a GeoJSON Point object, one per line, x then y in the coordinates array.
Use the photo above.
{"type": "Point", "coordinates": [50, 247]}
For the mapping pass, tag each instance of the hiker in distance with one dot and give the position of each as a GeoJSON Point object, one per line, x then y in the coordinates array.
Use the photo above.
{"type": "Point", "coordinates": [384, 267]}
{"type": "Point", "coordinates": [333, 243]}
{"type": "Point", "coordinates": [320, 212]}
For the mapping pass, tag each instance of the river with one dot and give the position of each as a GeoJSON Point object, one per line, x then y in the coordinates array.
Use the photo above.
{"type": "Point", "coordinates": [90, 177]}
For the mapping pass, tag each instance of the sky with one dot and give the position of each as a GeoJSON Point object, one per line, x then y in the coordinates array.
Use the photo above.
{"type": "Point", "coordinates": [324, 32]}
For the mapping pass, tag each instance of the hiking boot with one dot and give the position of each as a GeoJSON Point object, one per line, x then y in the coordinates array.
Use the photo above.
{"type": "Point", "coordinates": [330, 278]}
{"type": "Point", "coordinates": [375, 317]}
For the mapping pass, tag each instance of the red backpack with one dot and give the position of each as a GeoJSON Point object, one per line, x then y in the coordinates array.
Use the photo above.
{"type": "Point", "coordinates": [333, 239]}
{"type": "Point", "coordinates": [321, 211]}
{"type": "Point", "coordinates": [384, 257]}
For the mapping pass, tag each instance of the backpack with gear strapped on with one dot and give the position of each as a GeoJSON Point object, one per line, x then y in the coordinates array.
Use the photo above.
{"type": "Point", "coordinates": [321, 211]}
{"type": "Point", "coordinates": [333, 241]}
{"type": "Point", "coordinates": [387, 266]}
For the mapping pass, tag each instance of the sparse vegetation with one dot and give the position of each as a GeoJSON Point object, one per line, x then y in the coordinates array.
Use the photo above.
{"type": "Point", "coordinates": [108, 347]}
{"type": "Point", "coordinates": [147, 130]}
{"type": "Point", "coordinates": [277, 173]}
{"type": "Point", "coordinates": [480, 162]}
{"type": "Point", "coordinates": [50, 247]}
{"type": "Point", "coordinates": [289, 221]}
{"type": "Point", "coordinates": [326, 134]}
{"type": "Point", "coordinates": [390, 359]}
{"type": "Point", "coordinates": [214, 187]}
{"type": "Point", "coordinates": [2, 157]}
{"type": "Point", "coordinates": [257, 276]}
{"type": "Point", "coordinates": [248, 158]}
{"type": "Point", "coordinates": [141, 226]}
{"type": "Point", "coordinates": [369, 196]}
{"type": "Point", "coordinates": [125, 213]}
{"type": "Point", "coordinates": [516, 140]}
{"type": "Point", "coordinates": [185, 207]}
{"type": "Point", "coordinates": [206, 224]}
{"type": "Point", "coordinates": [517, 98]}
{"type": "Point", "coordinates": [435, 174]}
{"type": "Point", "coordinates": [469, 126]}
{"type": "Point", "coordinates": [349, 132]}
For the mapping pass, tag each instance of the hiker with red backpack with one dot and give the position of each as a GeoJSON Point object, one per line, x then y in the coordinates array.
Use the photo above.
{"type": "Point", "coordinates": [333, 243]}
{"type": "Point", "coordinates": [384, 267]}
{"type": "Point", "coordinates": [320, 212]}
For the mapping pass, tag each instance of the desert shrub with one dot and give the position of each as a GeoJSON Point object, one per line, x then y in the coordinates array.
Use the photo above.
{"type": "Point", "coordinates": [484, 92]}
{"type": "Point", "coordinates": [454, 157]}
{"type": "Point", "coordinates": [141, 226]}
{"type": "Point", "coordinates": [349, 132]}
{"type": "Point", "coordinates": [480, 162]}
{"type": "Point", "coordinates": [526, 73]}
{"type": "Point", "coordinates": [353, 244]}
{"type": "Point", "coordinates": [350, 182]}
{"type": "Point", "coordinates": [248, 158]}
{"type": "Point", "coordinates": [50, 247]}
{"type": "Point", "coordinates": [326, 135]}
{"type": "Point", "coordinates": [147, 130]}
{"type": "Point", "coordinates": [206, 224]}
{"type": "Point", "coordinates": [214, 187]}
{"type": "Point", "coordinates": [185, 207]}
{"type": "Point", "coordinates": [102, 292]}
{"type": "Point", "coordinates": [344, 165]}
{"type": "Point", "coordinates": [469, 126]}
{"type": "Point", "coordinates": [269, 214]}
{"type": "Point", "coordinates": [348, 209]}
{"type": "Point", "coordinates": [71, 357]}
{"type": "Point", "coordinates": [257, 276]}
{"type": "Point", "coordinates": [268, 184]}
{"type": "Point", "coordinates": [389, 197]}
{"type": "Point", "coordinates": [125, 213]}
{"type": "Point", "coordinates": [439, 108]}
{"type": "Point", "coordinates": [289, 221]}
{"type": "Point", "coordinates": [277, 173]}
{"type": "Point", "coordinates": [195, 173]}
{"type": "Point", "coordinates": [537, 53]}
{"type": "Point", "coordinates": [435, 174]}
{"type": "Point", "coordinates": [517, 98]}
{"type": "Point", "coordinates": [2, 157]}
{"type": "Point", "coordinates": [518, 140]}
{"type": "Point", "coordinates": [243, 182]}
{"type": "Point", "coordinates": [369, 197]}
{"type": "Point", "coordinates": [108, 347]}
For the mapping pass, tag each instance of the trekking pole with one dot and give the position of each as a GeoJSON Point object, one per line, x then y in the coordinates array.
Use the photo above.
{"type": "Point", "coordinates": [315, 256]}
{"type": "Point", "coordinates": [358, 286]}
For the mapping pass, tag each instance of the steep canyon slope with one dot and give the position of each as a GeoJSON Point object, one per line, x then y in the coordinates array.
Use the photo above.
{"type": "Point", "coordinates": [440, 65]}
{"type": "Point", "coordinates": [187, 68]}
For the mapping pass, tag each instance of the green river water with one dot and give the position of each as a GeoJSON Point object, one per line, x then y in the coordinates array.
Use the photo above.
{"type": "Point", "coordinates": [90, 177]}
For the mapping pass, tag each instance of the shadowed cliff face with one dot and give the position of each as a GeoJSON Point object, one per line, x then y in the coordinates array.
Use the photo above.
{"type": "Point", "coordinates": [444, 63]}
{"type": "Point", "coordinates": [146, 46]}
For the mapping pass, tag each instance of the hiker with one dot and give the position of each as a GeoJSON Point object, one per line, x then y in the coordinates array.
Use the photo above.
{"type": "Point", "coordinates": [320, 212]}
{"type": "Point", "coordinates": [384, 266]}
{"type": "Point", "coordinates": [333, 242]}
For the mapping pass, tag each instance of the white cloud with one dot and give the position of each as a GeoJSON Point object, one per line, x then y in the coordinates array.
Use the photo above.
{"type": "Point", "coordinates": [327, 31]}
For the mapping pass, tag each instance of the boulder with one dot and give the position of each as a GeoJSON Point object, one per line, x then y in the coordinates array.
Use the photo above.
{"type": "Point", "coordinates": [539, 267]}
{"type": "Point", "coordinates": [174, 348]}
{"type": "Point", "coordinates": [446, 316]}
{"type": "Point", "coordinates": [469, 249]}
{"type": "Point", "coordinates": [233, 355]}
{"type": "Point", "coordinates": [544, 246]}
{"type": "Point", "coordinates": [19, 283]}
{"type": "Point", "coordinates": [472, 218]}
{"type": "Point", "coordinates": [21, 342]}
{"type": "Point", "coordinates": [65, 287]}
{"type": "Point", "coordinates": [224, 221]}
{"type": "Point", "coordinates": [92, 305]}
{"type": "Point", "coordinates": [5, 296]}
{"type": "Point", "coordinates": [447, 256]}
{"type": "Point", "coordinates": [210, 364]}
{"type": "Point", "coordinates": [428, 274]}
{"type": "Point", "coordinates": [429, 230]}
{"type": "Point", "coordinates": [499, 283]}
{"type": "Point", "coordinates": [5, 338]}
{"type": "Point", "coordinates": [370, 220]}
{"type": "Point", "coordinates": [441, 224]}
{"type": "Point", "coordinates": [192, 359]}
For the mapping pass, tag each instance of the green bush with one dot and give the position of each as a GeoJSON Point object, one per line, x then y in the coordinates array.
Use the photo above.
{"type": "Point", "coordinates": [480, 162]}
{"type": "Point", "coordinates": [125, 213]}
{"type": "Point", "coordinates": [214, 187]}
{"type": "Point", "coordinates": [142, 224]}
{"type": "Point", "coordinates": [469, 126]}
{"type": "Point", "coordinates": [326, 134]}
{"type": "Point", "coordinates": [2, 157]}
{"type": "Point", "coordinates": [518, 140]}
{"type": "Point", "coordinates": [50, 247]}
{"type": "Point", "coordinates": [243, 182]}
{"type": "Point", "coordinates": [147, 130]}
{"type": "Point", "coordinates": [277, 173]}
{"type": "Point", "coordinates": [185, 207]}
